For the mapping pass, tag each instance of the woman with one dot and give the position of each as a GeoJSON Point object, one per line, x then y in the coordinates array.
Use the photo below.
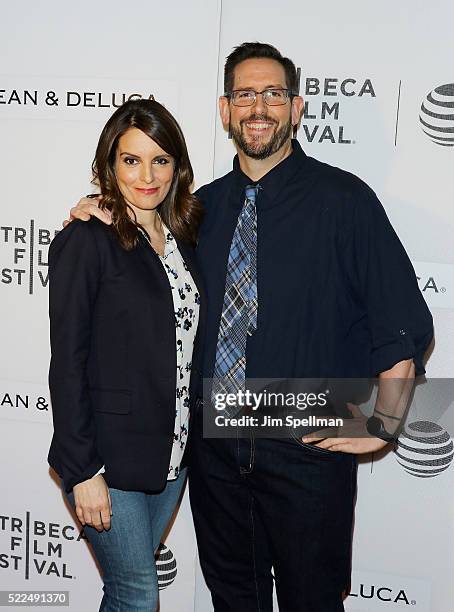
{"type": "Point", "coordinates": [124, 304]}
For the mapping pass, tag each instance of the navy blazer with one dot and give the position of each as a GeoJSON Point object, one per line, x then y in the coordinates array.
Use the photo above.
{"type": "Point", "coordinates": [112, 375]}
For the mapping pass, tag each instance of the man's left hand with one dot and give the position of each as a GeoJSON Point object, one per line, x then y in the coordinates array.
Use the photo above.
{"type": "Point", "coordinates": [357, 446]}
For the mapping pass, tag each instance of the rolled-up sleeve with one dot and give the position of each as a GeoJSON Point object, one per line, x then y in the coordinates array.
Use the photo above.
{"type": "Point", "coordinates": [399, 321]}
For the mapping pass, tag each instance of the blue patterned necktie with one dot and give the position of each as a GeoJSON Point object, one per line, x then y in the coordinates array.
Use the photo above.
{"type": "Point", "coordinates": [239, 310]}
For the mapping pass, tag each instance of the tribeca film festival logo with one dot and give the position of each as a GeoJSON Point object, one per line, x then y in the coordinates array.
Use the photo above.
{"type": "Point", "coordinates": [166, 567]}
{"type": "Point", "coordinates": [424, 449]}
{"type": "Point", "coordinates": [322, 117]}
{"type": "Point", "coordinates": [437, 115]}
{"type": "Point", "coordinates": [24, 255]}
{"type": "Point", "coordinates": [35, 547]}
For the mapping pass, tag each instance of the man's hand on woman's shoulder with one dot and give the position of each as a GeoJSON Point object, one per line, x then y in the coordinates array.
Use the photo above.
{"type": "Point", "coordinates": [86, 208]}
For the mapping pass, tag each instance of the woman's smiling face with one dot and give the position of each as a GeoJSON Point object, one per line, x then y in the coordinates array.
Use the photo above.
{"type": "Point", "coordinates": [143, 170]}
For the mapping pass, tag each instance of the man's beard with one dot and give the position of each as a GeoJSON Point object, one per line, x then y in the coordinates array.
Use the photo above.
{"type": "Point", "coordinates": [256, 149]}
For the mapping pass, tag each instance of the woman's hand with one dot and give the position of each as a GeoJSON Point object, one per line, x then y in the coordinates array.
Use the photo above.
{"type": "Point", "coordinates": [87, 208]}
{"type": "Point", "coordinates": [93, 505]}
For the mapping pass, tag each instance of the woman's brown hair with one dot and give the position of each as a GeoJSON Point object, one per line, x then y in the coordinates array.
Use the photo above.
{"type": "Point", "coordinates": [180, 211]}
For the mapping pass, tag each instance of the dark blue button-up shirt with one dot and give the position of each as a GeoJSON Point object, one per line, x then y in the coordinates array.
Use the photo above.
{"type": "Point", "coordinates": [337, 294]}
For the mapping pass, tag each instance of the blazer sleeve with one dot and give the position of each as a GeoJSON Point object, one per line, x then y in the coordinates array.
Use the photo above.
{"type": "Point", "coordinates": [74, 278]}
{"type": "Point", "coordinates": [400, 324]}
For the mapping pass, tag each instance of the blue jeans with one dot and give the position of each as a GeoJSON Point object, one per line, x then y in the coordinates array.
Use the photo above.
{"type": "Point", "coordinates": [279, 505]}
{"type": "Point", "coordinates": [126, 552]}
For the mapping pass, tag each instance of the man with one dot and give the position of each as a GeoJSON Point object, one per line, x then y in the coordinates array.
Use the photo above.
{"type": "Point", "coordinates": [321, 287]}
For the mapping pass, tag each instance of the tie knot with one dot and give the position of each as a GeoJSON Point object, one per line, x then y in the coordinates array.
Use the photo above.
{"type": "Point", "coordinates": [251, 192]}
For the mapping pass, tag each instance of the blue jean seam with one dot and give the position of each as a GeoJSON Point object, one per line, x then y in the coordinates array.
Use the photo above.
{"type": "Point", "coordinates": [253, 556]}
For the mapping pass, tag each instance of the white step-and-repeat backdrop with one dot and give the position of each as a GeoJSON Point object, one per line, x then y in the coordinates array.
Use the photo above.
{"type": "Point", "coordinates": [379, 87]}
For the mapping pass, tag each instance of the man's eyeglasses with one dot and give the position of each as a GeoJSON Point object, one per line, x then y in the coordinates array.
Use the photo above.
{"type": "Point", "coordinates": [247, 97]}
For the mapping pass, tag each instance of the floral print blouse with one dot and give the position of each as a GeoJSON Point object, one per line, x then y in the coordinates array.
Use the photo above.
{"type": "Point", "coordinates": [186, 303]}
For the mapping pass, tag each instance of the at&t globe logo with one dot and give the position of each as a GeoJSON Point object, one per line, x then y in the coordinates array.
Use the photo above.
{"type": "Point", "coordinates": [424, 449]}
{"type": "Point", "coordinates": [437, 115]}
{"type": "Point", "coordinates": [166, 566]}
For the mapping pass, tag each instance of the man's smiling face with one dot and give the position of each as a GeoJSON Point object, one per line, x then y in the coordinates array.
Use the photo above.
{"type": "Point", "coordinates": [259, 130]}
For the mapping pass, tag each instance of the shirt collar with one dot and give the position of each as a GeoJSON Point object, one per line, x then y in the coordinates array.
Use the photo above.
{"type": "Point", "coordinates": [170, 243]}
{"type": "Point", "coordinates": [272, 183]}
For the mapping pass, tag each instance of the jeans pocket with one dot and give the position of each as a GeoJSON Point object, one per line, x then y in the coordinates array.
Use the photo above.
{"type": "Point", "coordinates": [312, 447]}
